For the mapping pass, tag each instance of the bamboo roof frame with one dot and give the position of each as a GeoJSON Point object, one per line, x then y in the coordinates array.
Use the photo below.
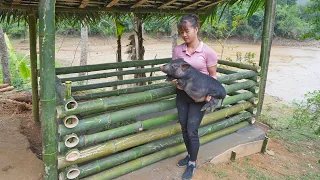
{"type": "Point", "coordinates": [121, 6]}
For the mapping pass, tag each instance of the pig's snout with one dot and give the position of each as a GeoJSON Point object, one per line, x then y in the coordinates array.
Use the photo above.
{"type": "Point", "coordinates": [161, 68]}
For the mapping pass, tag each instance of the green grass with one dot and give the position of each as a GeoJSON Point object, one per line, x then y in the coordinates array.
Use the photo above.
{"type": "Point", "coordinates": [253, 173]}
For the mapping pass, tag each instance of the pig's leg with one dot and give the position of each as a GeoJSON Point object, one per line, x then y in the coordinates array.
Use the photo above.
{"type": "Point", "coordinates": [211, 104]}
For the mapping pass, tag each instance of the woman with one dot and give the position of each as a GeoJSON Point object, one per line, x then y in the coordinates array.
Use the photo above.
{"type": "Point", "coordinates": [204, 59]}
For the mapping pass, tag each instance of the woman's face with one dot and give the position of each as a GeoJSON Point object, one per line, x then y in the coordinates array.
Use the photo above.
{"type": "Point", "coordinates": [188, 33]}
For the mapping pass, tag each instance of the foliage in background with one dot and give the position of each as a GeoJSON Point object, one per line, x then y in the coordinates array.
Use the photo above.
{"type": "Point", "coordinates": [19, 67]}
{"type": "Point", "coordinates": [312, 15]}
{"type": "Point", "coordinates": [307, 112]}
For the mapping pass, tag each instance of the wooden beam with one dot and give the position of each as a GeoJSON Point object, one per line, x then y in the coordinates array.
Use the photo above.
{"type": "Point", "coordinates": [84, 3]}
{"type": "Point", "coordinates": [103, 9]}
{"type": "Point", "coordinates": [193, 4]}
{"type": "Point", "coordinates": [16, 2]}
{"type": "Point", "coordinates": [139, 3]}
{"type": "Point", "coordinates": [212, 4]}
{"type": "Point", "coordinates": [166, 4]}
{"type": "Point", "coordinates": [112, 3]}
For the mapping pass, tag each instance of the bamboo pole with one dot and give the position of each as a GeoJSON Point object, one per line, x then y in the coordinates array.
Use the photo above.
{"type": "Point", "coordinates": [33, 63]}
{"type": "Point", "coordinates": [122, 91]}
{"type": "Point", "coordinates": [236, 76]}
{"type": "Point", "coordinates": [267, 34]}
{"type": "Point", "coordinates": [47, 82]}
{"type": "Point", "coordinates": [240, 65]}
{"type": "Point", "coordinates": [241, 85]}
{"type": "Point", "coordinates": [226, 71]}
{"type": "Point", "coordinates": [155, 157]}
{"type": "Point", "coordinates": [110, 74]}
{"type": "Point", "coordinates": [90, 139]}
{"type": "Point", "coordinates": [106, 66]}
{"type": "Point", "coordinates": [117, 116]}
{"type": "Point", "coordinates": [86, 140]}
{"type": "Point", "coordinates": [113, 146]}
{"type": "Point", "coordinates": [116, 159]}
{"type": "Point", "coordinates": [116, 102]}
{"type": "Point", "coordinates": [116, 83]}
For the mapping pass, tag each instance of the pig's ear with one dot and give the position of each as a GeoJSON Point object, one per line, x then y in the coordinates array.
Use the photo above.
{"type": "Point", "coordinates": [185, 66]}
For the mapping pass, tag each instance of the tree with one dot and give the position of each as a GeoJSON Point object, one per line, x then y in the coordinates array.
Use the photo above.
{"type": "Point", "coordinates": [4, 58]}
{"type": "Point", "coordinates": [84, 47]}
{"type": "Point", "coordinates": [313, 16]}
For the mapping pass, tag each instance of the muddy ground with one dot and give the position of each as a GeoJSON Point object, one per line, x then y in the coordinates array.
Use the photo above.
{"type": "Point", "coordinates": [294, 70]}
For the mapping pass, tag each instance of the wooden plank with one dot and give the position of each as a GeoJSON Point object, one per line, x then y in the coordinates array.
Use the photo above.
{"type": "Point", "coordinates": [204, 7]}
{"type": "Point", "coordinates": [166, 4]}
{"type": "Point", "coordinates": [241, 151]}
{"type": "Point", "coordinates": [16, 2]}
{"type": "Point", "coordinates": [139, 3]}
{"type": "Point", "coordinates": [84, 3]}
{"type": "Point", "coordinates": [193, 4]}
{"type": "Point", "coordinates": [112, 3]}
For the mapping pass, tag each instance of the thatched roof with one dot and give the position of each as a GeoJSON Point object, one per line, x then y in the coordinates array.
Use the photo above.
{"type": "Point", "coordinates": [91, 11]}
{"type": "Point", "coordinates": [138, 6]}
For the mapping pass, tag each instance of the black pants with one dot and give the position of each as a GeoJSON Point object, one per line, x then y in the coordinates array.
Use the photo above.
{"type": "Point", "coordinates": [190, 116]}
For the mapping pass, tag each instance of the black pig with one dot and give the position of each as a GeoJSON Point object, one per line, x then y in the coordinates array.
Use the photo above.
{"type": "Point", "coordinates": [196, 84]}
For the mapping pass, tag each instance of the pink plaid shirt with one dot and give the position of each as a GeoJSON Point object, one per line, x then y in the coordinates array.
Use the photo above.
{"type": "Point", "coordinates": [202, 58]}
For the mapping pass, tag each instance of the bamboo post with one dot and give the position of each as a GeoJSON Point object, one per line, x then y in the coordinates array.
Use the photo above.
{"type": "Point", "coordinates": [268, 27]}
{"type": "Point", "coordinates": [264, 145]}
{"type": "Point", "coordinates": [233, 156]}
{"type": "Point", "coordinates": [47, 84]}
{"type": "Point", "coordinates": [33, 63]}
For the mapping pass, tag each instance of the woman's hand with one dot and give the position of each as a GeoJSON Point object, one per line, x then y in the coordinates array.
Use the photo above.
{"type": "Point", "coordinates": [176, 81]}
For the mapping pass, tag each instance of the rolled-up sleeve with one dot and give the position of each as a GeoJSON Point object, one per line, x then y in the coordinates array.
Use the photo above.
{"type": "Point", "coordinates": [175, 53]}
{"type": "Point", "coordinates": [212, 57]}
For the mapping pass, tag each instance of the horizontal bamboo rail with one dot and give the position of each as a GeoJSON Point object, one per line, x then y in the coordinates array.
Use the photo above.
{"type": "Point", "coordinates": [113, 146]}
{"type": "Point", "coordinates": [240, 65]}
{"type": "Point", "coordinates": [125, 72]}
{"type": "Point", "coordinates": [106, 66]}
{"type": "Point", "coordinates": [117, 116]}
{"type": "Point", "coordinates": [110, 74]}
{"type": "Point", "coordinates": [116, 159]}
{"type": "Point", "coordinates": [155, 157]}
{"type": "Point", "coordinates": [116, 102]}
{"type": "Point", "coordinates": [128, 129]}
{"type": "Point", "coordinates": [116, 83]}
{"type": "Point", "coordinates": [121, 91]}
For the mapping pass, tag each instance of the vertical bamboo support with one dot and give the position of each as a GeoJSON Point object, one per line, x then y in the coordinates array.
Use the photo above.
{"type": "Point", "coordinates": [264, 145]}
{"type": "Point", "coordinates": [268, 27]}
{"type": "Point", "coordinates": [68, 89]}
{"type": "Point", "coordinates": [47, 88]}
{"type": "Point", "coordinates": [33, 63]}
{"type": "Point", "coordinates": [233, 156]}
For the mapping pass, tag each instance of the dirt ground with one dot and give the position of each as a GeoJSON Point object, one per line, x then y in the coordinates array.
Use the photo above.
{"type": "Point", "coordinates": [20, 142]}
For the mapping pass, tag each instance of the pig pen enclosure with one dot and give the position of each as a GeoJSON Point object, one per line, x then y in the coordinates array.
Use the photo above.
{"type": "Point", "coordinates": [124, 127]}
{"type": "Point", "coordinates": [89, 132]}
